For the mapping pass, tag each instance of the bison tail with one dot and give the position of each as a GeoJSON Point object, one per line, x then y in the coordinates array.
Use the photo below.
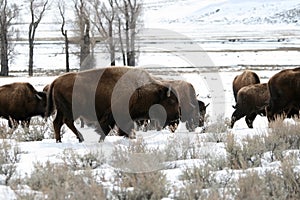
{"type": "Point", "coordinates": [50, 104]}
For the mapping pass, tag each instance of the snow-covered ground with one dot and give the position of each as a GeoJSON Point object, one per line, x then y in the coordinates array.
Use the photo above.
{"type": "Point", "coordinates": [206, 42]}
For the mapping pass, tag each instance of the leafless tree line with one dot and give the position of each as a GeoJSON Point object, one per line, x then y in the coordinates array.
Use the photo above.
{"type": "Point", "coordinates": [115, 23]}
{"type": "Point", "coordinates": [8, 12]}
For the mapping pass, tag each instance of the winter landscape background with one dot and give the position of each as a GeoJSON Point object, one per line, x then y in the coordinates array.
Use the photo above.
{"type": "Point", "coordinates": [206, 42]}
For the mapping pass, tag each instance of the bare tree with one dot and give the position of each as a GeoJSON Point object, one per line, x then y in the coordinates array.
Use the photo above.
{"type": "Point", "coordinates": [37, 10]}
{"type": "Point", "coordinates": [83, 22]}
{"type": "Point", "coordinates": [130, 11]}
{"type": "Point", "coordinates": [8, 13]}
{"type": "Point", "coordinates": [61, 7]}
{"type": "Point", "coordinates": [104, 19]}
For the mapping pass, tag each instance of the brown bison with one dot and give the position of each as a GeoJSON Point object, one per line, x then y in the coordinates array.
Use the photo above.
{"type": "Point", "coordinates": [20, 102]}
{"type": "Point", "coordinates": [192, 111]}
{"type": "Point", "coordinates": [111, 96]}
{"type": "Point", "coordinates": [284, 90]}
{"type": "Point", "coordinates": [246, 78]}
{"type": "Point", "coordinates": [251, 101]}
{"type": "Point", "coordinates": [188, 103]}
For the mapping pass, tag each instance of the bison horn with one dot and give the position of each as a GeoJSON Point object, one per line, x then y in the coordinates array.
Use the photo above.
{"type": "Point", "coordinates": [38, 96]}
{"type": "Point", "coordinates": [169, 92]}
{"type": "Point", "coordinates": [207, 105]}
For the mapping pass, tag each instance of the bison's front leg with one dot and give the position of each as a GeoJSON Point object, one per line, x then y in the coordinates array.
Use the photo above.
{"type": "Point", "coordinates": [236, 115]}
{"type": "Point", "coordinates": [106, 123]}
{"type": "Point", "coordinates": [249, 119]}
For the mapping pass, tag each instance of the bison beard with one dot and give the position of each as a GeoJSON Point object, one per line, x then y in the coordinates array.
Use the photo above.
{"type": "Point", "coordinates": [92, 95]}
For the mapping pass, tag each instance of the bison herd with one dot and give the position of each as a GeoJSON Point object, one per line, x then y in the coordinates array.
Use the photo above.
{"type": "Point", "coordinates": [276, 98]}
{"type": "Point", "coordinates": [106, 97]}
{"type": "Point", "coordinates": [124, 96]}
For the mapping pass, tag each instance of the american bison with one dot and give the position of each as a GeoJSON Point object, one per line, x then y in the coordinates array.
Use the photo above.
{"type": "Point", "coordinates": [246, 78]}
{"type": "Point", "coordinates": [251, 101]}
{"type": "Point", "coordinates": [192, 111]}
{"type": "Point", "coordinates": [19, 102]}
{"type": "Point", "coordinates": [111, 96]}
{"type": "Point", "coordinates": [284, 90]}
{"type": "Point", "coordinates": [188, 103]}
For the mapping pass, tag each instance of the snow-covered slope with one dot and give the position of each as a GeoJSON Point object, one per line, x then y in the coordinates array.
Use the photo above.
{"type": "Point", "coordinates": [224, 12]}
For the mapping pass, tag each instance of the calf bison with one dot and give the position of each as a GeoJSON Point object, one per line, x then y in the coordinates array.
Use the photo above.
{"type": "Point", "coordinates": [251, 101]}
{"type": "Point", "coordinates": [111, 96]}
{"type": "Point", "coordinates": [19, 102]}
{"type": "Point", "coordinates": [246, 78]}
{"type": "Point", "coordinates": [284, 90]}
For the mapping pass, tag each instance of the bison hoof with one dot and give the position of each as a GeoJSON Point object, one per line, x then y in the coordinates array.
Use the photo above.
{"type": "Point", "coordinates": [80, 139]}
{"type": "Point", "coordinates": [58, 141]}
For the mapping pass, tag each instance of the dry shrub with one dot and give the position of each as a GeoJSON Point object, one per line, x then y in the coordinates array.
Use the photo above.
{"type": "Point", "coordinates": [235, 159]}
{"type": "Point", "coordinates": [38, 130]}
{"type": "Point", "coordinates": [282, 136]}
{"type": "Point", "coordinates": [138, 175]}
{"type": "Point", "coordinates": [140, 186]}
{"type": "Point", "coordinates": [291, 180]}
{"type": "Point", "coordinates": [136, 157]}
{"type": "Point", "coordinates": [177, 148]}
{"type": "Point", "coordinates": [253, 150]}
{"type": "Point", "coordinates": [251, 186]}
{"type": "Point", "coordinates": [216, 137]}
{"type": "Point", "coordinates": [245, 155]}
{"type": "Point", "coordinates": [283, 183]}
{"type": "Point", "coordinates": [5, 131]}
{"type": "Point", "coordinates": [198, 183]}
{"type": "Point", "coordinates": [219, 126]}
{"type": "Point", "coordinates": [57, 181]}
{"type": "Point", "coordinates": [76, 161]}
{"type": "Point", "coordinates": [9, 157]}
{"type": "Point", "coordinates": [182, 147]}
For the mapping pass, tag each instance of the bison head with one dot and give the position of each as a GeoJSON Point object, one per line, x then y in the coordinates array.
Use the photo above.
{"type": "Point", "coordinates": [202, 111]}
{"type": "Point", "coordinates": [169, 101]}
{"type": "Point", "coordinates": [40, 103]}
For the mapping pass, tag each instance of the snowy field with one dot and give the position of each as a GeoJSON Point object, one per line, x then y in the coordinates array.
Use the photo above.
{"type": "Point", "coordinates": [207, 43]}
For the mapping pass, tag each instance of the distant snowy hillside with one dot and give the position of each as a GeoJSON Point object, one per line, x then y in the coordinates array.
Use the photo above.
{"type": "Point", "coordinates": [228, 30]}
{"type": "Point", "coordinates": [161, 13]}
{"type": "Point", "coordinates": [225, 11]}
